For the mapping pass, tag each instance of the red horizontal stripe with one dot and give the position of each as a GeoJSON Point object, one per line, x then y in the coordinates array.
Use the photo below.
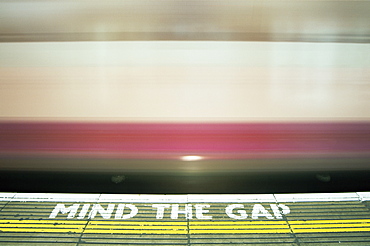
{"type": "Point", "coordinates": [164, 140]}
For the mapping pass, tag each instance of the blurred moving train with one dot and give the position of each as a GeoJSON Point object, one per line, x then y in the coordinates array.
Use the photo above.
{"type": "Point", "coordinates": [184, 96]}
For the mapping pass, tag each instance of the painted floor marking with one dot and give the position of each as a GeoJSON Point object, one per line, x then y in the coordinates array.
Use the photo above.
{"type": "Point", "coordinates": [329, 221]}
{"type": "Point", "coordinates": [311, 197]}
{"type": "Point", "coordinates": [236, 223]}
{"type": "Point", "coordinates": [289, 219]}
{"type": "Point", "coordinates": [211, 227]}
{"type": "Point", "coordinates": [141, 223]}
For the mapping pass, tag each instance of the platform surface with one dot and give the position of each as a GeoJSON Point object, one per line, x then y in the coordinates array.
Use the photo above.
{"type": "Point", "coordinates": [263, 219]}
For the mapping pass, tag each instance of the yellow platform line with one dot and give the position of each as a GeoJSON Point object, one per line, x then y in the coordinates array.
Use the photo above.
{"type": "Point", "coordinates": [195, 227]}
{"type": "Point", "coordinates": [44, 221]}
{"type": "Point", "coordinates": [307, 226]}
{"type": "Point", "coordinates": [51, 230]}
{"type": "Point", "coordinates": [168, 231]}
{"type": "Point", "coordinates": [41, 226]}
{"type": "Point", "coordinates": [158, 227]}
{"type": "Point", "coordinates": [239, 226]}
{"type": "Point", "coordinates": [331, 230]}
{"type": "Point", "coordinates": [236, 231]}
{"type": "Point", "coordinates": [275, 222]}
{"type": "Point", "coordinates": [329, 221]}
{"type": "Point", "coordinates": [97, 222]}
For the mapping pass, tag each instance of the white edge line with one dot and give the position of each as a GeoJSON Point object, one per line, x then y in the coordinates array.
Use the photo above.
{"type": "Point", "coordinates": [317, 197]}
{"type": "Point", "coordinates": [364, 196]}
{"type": "Point", "coordinates": [222, 198]}
{"type": "Point", "coordinates": [126, 198]}
{"type": "Point", "coordinates": [6, 196]}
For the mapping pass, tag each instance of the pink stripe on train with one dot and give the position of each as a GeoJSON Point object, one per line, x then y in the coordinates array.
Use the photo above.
{"type": "Point", "coordinates": [164, 140]}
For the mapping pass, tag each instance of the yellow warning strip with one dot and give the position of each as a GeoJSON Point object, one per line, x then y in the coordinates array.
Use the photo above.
{"type": "Point", "coordinates": [312, 226]}
{"type": "Point", "coordinates": [168, 231]}
{"type": "Point", "coordinates": [263, 222]}
{"type": "Point", "coordinates": [330, 225]}
{"type": "Point", "coordinates": [71, 230]}
{"type": "Point", "coordinates": [57, 226]}
{"type": "Point", "coordinates": [107, 222]}
{"type": "Point", "coordinates": [105, 227]}
{"type": "Point", "coordinates": [238, 227]}
{"type": "Point", "coordinates": [194, 227]}
{"type": "Point", "coordinates": [72, 226]}
{"type": "Point", "coordinates": [329, 221]}
{"type": "Point", "coordinates": [217, 226]}
{"type": "Point", "coordinates": [236, 231]}
{"type": "Point", "coordinates": [41, 225]}
{"type": "Point", "coordinates": [44, 221]}
{"type": "Point", "coordinates": [330, 230]}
